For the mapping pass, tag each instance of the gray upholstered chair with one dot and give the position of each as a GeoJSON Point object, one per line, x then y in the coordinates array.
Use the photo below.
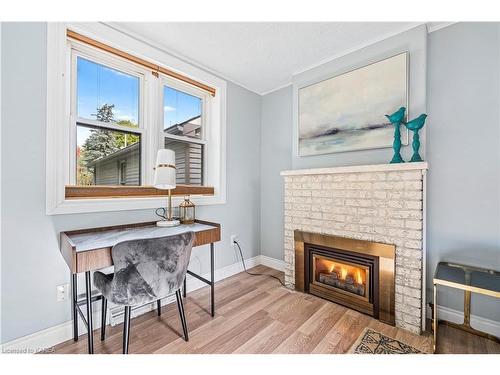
{"type": "Point", "coordinates": [145, 271]}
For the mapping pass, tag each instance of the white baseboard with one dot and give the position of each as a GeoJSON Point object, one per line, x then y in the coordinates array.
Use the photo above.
{"type": "Point", "coordinates": [482, 324]}
{"type": "Point", "coordinates": [38, 341]}
{"type": "Point", "coordinates": [274, 263]}
{"type": "Point", "coordinates": [52, 336]}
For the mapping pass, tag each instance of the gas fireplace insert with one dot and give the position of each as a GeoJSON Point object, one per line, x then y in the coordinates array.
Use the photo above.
{"type": "Point", "coordinates": [348, 278]}
{"type": "Point", "coordinates": [354, 273]}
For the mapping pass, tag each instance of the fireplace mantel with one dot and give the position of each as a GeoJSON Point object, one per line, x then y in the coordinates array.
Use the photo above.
{"type": "Point", "coordinates": [358, 169]}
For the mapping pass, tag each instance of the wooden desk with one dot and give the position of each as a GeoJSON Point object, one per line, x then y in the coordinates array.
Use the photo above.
{"type": "Point", "coordinates": [89, 250]}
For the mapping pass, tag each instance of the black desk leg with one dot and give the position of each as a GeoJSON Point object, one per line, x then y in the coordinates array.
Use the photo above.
{"type": "Point", "coordinates": [184, 289]}
{"type": "Point", "coordinates": [90, 328]}
{"type": "Point", "coordinates": [212, 282]}
{"type": "Point", "coordinates": [104, 310]}
{"type": "Point", "coordinates": [74, 298]}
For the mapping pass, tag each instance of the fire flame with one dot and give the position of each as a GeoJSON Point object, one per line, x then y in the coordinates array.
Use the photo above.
{"type": "Point", "coordinates": [343, 273]}
{"type": "Point", "coordinates": [359, 279]}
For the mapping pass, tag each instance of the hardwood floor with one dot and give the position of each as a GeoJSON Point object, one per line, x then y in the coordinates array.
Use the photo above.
{"type": "Point", "coordinates": [455, 341]}
{"type": "Point", "coordinates": [255, 314]}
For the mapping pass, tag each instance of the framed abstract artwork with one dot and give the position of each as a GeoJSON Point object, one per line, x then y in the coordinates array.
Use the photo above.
{"type": "Point", "coordinates": [347, 112]}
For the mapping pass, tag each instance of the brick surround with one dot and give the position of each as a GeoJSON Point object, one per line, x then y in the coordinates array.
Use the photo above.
{"type": "Point", "coordinates": [381, 203]}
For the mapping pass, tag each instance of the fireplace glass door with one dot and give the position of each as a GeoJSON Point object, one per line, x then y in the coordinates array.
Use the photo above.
{"type": "Point", "coordinates": [345, 277]}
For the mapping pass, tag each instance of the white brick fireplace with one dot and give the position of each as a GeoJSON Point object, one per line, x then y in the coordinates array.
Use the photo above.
{"type": "Point", "coordinates": [381, 203]}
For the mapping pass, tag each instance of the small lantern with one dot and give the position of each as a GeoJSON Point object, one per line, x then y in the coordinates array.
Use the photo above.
{"type": "Point", "coordinates": [186, 211]}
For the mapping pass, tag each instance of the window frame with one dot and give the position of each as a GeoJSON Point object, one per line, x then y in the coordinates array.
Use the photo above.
{"type": "Point", "coordinates": [59, 134]}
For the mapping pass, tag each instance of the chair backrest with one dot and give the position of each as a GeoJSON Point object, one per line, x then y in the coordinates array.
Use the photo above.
{"type": "Point", "coordinates": [149, 269]}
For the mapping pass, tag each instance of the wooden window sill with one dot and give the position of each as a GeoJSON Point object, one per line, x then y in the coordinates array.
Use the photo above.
{"type": "Point", "coordinates": [84, 192]}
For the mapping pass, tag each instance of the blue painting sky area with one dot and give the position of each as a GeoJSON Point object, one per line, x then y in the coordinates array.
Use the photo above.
{"type": "Point", "coordinates": [347, 112]}
{"type": "Point", "coordinates": [354, 100]}
{"type": "Point", "coordinates": [98, 85]}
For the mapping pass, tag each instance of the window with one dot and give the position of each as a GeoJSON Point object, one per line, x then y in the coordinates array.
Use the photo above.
{"type": "Point", "coordinates": [183, 123]}
{"type": "Point", "coordinates": [108, 115]}
{"type": "Point", "coordinates": [107, 105]}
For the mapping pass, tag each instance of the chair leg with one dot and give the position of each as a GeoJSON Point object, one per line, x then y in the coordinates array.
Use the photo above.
{"type": "Point", "coordinates": [158, 304]}
{"type": "Point", "coordinates": [180, 306]}
{"type": "Point", "coordinates": [126, 329]}
{"type": "Point", "coordinates": [103, 317]}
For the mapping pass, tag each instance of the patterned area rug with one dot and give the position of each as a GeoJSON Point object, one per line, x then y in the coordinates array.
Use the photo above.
{"type": "Point", "coordinates": [373, 342]}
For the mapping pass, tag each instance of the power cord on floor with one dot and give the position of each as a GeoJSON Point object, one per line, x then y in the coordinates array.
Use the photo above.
{"type": "Point", "coordinates": [255, 274]}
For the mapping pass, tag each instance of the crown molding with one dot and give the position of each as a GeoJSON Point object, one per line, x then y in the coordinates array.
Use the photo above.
{"type": "Point", "coordinates": [347, 52]}
{"type": "Point", "coordinates": [435, 26]}
{"type": "Point", "coordinates": [359, 47]}
{"type": "Point", "coordinates": [276, 89]}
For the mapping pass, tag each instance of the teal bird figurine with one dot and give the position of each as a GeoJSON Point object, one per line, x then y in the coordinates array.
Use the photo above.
{"type": "Point", "coordinates": [397, 119]}
{"type": "Point", "coordinates": [415, 125]}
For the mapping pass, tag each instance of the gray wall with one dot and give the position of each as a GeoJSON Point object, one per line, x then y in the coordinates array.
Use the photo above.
{"type": "Point", "coordinates": [463, 134]}
{"type": "Point", "coordinates": [31, 263]}
{"type": "Point", "coordinates": [276, 157]}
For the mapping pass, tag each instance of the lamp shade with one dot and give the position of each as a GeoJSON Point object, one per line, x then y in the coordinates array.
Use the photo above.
{"type": "Point", "coordinates": [164, 177]}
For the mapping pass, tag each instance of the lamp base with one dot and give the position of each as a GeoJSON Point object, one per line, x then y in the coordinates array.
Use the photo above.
{"type": "Point", "coordinates": [168, 223]}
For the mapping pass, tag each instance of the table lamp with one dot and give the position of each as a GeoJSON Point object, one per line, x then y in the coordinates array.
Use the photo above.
{"type": "Point", "coordinates": [164, 179]}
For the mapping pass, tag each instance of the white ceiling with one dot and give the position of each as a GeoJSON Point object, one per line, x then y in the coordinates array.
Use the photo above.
{"type": "Point", "coordinates": [261, 56]}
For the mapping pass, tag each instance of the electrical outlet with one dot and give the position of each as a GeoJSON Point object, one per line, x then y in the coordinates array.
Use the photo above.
{"type": "Point", "coordinates": [62, 292]}
{"type": "Point", "coordinates": [234, 237]}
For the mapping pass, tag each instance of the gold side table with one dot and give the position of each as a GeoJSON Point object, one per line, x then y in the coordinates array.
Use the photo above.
{"type": "Point", "coordinates": [470, 280]}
